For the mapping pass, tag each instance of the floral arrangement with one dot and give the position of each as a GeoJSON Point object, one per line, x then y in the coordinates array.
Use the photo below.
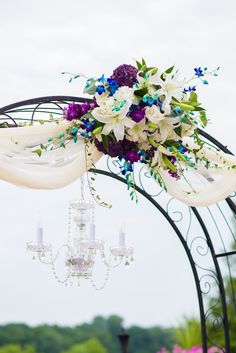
{"type": "Point", "coordinates": [140, 115]}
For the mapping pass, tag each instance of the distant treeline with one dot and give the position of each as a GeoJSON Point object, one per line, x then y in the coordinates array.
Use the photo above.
{"type": "Point", "coordinates": [99, 336]}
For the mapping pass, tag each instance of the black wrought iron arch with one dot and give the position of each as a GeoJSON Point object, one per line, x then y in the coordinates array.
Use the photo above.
{"type": "Point", "coordinates": [9, 117]}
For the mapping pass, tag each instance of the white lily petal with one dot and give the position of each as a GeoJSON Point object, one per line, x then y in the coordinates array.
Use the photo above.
{"type": "Point", "coordinates": [129, 122]}
{"type": "Point", "coordinates": [119, 131]}
{"type": "Point", "coordinates": [99, 115]}
{"type": "Point", "coordinates": [107, 129]}
{"type": "Point", "coordinates": [163, 132]}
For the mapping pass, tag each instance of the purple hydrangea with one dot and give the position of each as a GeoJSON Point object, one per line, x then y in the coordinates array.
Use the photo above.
{"type": "Point", "coordinates": [115, 149]}
{"type": "Point", "coordinates": [137, 114]}
{"type": "Point", "coordinates": [118, 149]}
{"type": "Point", "coordinates": [125, 75]}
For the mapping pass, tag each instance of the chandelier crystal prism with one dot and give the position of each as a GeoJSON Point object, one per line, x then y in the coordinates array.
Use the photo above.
{"type": "Point", "coordinates": [82, 249]}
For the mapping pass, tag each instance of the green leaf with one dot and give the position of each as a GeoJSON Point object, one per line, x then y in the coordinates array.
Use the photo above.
{"type": "Point", "coordinates": [105, 142]}
{"type": "Point", "coordinates": [168, 71]}
{"type": "Point", "coordinates": [178, 130]}
{"type": "Point", "coordinates": [193, 97]}
{"type": "Point", "coordinates": [169, 164]}
{"type": "Point", "coordinates": [203, 118]}
{"type": "Point", "coordinates": [152, 125]}
{"type": "Point", "coordinates": [90, 90]}
{"type": "Point", "coordinates": [153, 142]}
{"type": "Point", "coordinates": [141, 92]}
{"type": "Point", "coordinates": [185, 106]}
{"type": "Point", "coordinates": [97, 130]}
{"type": "Point", "coordinates": [199, 109]}
{"type": "Point", "coordinates": [154, 71]}
{"type": "Point", "coordinates": [139, 65]}
{"type": "Point", "coordinates": [38, 152]}
{"type": "Point", "coordinates": [143, 62]}
{"type": "Point", "coordinates": [185, 119]}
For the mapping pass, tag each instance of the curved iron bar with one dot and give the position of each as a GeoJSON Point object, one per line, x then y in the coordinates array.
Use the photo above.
{"type": "Point", "coordinates": [183, 242]}
{"type": "Point", "coordinates": [220, 279]}
{"type": "Point", "coordinates": [9, 109]}
{"type": "Point", "coordinates": [46, 99]}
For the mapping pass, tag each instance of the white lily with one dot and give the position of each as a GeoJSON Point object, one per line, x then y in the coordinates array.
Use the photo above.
{"type": "Point", "coordinates": [166, 125]}
{"type": "Point", "coordinates": [172, 86]}
{"type": "Point", "coordinates": [166, 128]}
{"type": "Point", "coordinates": [114, 120]}
{"type": "Point", "coordinates": [138, 131]}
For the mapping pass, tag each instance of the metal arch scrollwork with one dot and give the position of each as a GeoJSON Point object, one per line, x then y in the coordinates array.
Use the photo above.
{"type": "Point", "coordinates": [188, 224]}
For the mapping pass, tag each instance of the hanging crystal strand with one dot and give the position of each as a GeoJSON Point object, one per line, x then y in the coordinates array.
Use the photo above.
{"type": "Point", "coordinates": [69, 225]}
{"type": "Point", "coordinates": [82, 187]}
{"type": "Point", "coordinates": [103, 284]}
{"type": "Point", "coordinates": [55, 273]}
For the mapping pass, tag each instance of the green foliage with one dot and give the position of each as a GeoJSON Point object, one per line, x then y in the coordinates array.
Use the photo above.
{"type": "Point", "coordinates": [16, 348]}
{"type": "Point", "coordinates": [90, 346]}
{"type": "Point", "coordinates": [99, 335]}
{"type": "Point", "coordinates": [188, 334]}
{"type": "Point", "coordinates": [230, 292]}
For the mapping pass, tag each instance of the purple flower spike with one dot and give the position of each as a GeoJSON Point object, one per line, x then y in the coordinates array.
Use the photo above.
{"type": "Point", "coordinates": [137, 115]}
{"type": "Point", "coordinates": [85, 107]}
{"type": "Point", "coordinates": [125, 75]}
{"type": "Point", "coordinates": [72, 111]}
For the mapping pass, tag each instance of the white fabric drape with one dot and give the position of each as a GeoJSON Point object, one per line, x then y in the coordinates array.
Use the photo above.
{"type": "Point", "coordinates": [54, 169]}
{"type": "Point", "coordinates": [204, 187]}
{"type": "Point", "coordinates": [59, 167]}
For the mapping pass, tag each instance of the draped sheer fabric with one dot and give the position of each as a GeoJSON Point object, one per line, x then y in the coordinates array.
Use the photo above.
{"type": "Point", "coordinates": [59, 167]}
{"type": "Point", "coordinates": [54, 169]}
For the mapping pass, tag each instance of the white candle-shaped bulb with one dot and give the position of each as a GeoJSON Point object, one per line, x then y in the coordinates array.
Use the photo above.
{"type": "Point", "coordinates": [122, 237]}
{"type": "Point", "coordinates": [92, 231]}
{"type": "Point", "coordinates": [39, 234]}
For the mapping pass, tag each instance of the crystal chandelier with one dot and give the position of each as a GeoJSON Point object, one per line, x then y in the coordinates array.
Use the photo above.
{"type": "Point", "coordinates": [82, 248]}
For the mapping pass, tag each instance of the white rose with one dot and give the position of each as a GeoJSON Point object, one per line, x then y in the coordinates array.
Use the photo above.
{"type": "Point", "coordinates": [124, 93]}
{"type": "Point", "coordinates": [154, 114]}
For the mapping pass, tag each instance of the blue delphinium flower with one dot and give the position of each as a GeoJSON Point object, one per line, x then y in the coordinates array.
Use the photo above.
{"type": "Point", "coordinates": [198, 72]}
{"type": "Point", "coordinates": [74, 131]}
{"type": "Point", "coordinates": [177, 111]}
{"type": "Point", "coordinates": [182, 149]}
{"type": "Point", "coordinates": [189, 89]}
{"type": "Point", "coordinates": [127, 167]}
{"type": "Point", "coordinates": [100, 89]}
{"type": "Point", "coordinates": [102, 79]}
{"type": "Point", "coordinates": [148, 100]}
{"type": "Point", "coordinates": [113, 85]}
{"type": "Point", "coordinates": [87, 125]}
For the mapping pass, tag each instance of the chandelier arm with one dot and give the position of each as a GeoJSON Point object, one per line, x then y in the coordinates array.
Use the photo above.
{"type": "Point", "coordinates": [53, 260]}
{"type": "Point", "coordinates": [108, 263]}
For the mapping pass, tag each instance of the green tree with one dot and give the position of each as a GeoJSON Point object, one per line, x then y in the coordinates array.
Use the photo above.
{"type": "Point", "coordinates": [90, 346]}
{"type": "Point", "coordinates": [16, 348]}
{"type": "Point", "coordinates": [188, 334]}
